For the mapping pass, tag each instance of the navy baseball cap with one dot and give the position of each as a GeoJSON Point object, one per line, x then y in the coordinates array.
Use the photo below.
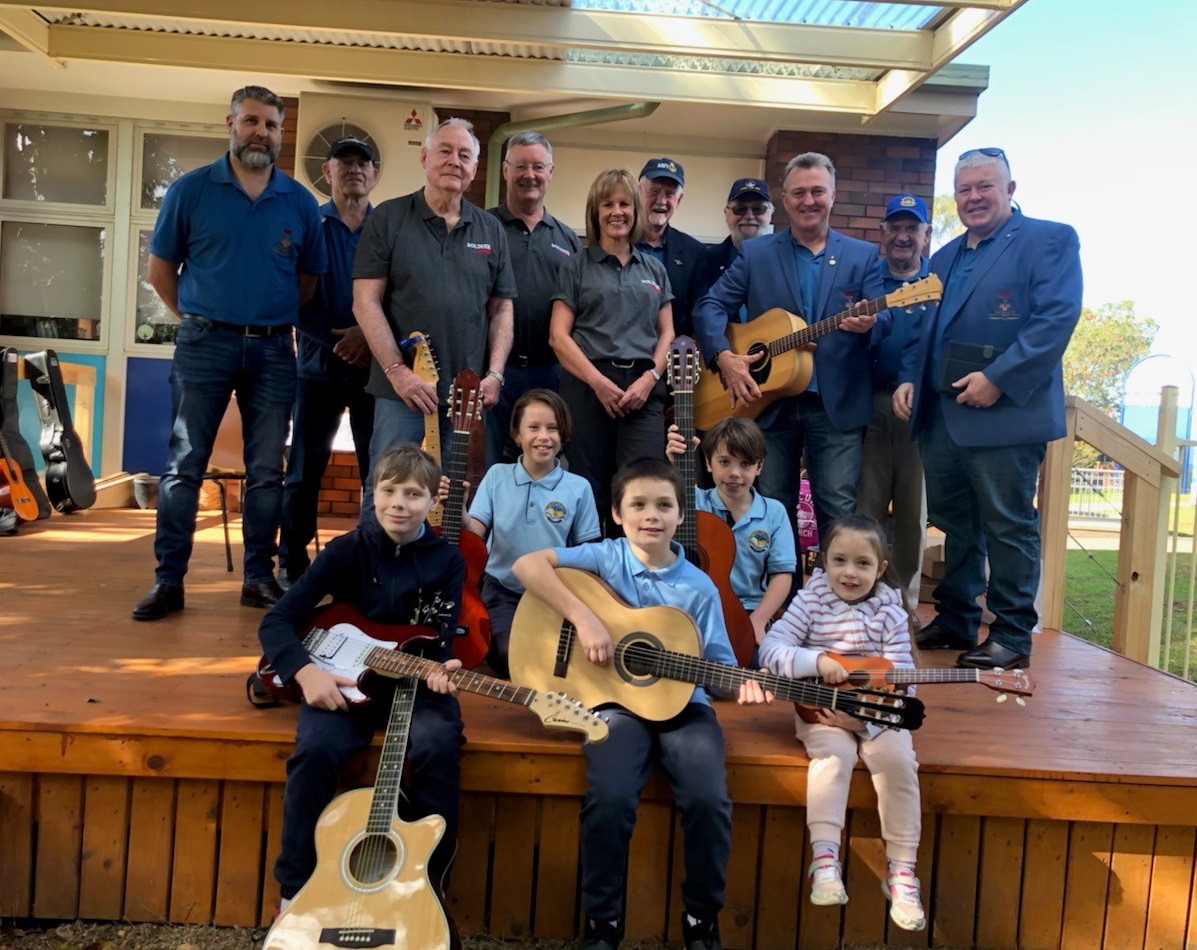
{"type": "Point", "coordinates": [908, 204]}
{"type": "Point", "coordinates": [348, 144]}
{"type": "Point", "coordinates": [664, 168]}
{"type": "Point", "coordinates": [748, 186]}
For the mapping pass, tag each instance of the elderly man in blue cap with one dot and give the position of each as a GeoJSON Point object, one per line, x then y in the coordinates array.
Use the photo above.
{"type": "Point", "coordinates": [749, 214]}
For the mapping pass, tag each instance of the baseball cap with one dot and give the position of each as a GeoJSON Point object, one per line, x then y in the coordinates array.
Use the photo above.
{"type": "Point", "coordinates": [749, 186]}
{"type": "Point", "coordinates": [664, 168]}
{"type": "Point", "coordinates": [350, 143]}
{"type": "Point", "coordinates": [908, 204]}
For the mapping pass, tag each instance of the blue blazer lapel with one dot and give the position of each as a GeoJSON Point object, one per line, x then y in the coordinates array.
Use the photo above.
{"type": "Point", "coordinates": [1002, 242]}
{"type": "Point", "coordinates": [828, 274]}
{"type": "Point", "coordinates": [782, 245]}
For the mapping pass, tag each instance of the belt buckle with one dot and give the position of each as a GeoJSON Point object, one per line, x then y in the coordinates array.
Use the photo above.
{"type": "Point", "coordinates": [619, 364]}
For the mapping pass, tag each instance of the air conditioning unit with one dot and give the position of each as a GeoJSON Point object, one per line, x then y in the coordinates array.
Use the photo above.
{"type": "Point", "coordinates": [395, 127]}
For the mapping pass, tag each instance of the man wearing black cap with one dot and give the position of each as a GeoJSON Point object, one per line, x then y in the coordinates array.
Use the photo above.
{"type": "Point", "coordinates": [334, 359]}
{"type": "Point", "coordinates": [662, 187]}
{"type": "Point", "coordinates": [892, 470]}
{"type": "Point", "coordinates": [749, 213]}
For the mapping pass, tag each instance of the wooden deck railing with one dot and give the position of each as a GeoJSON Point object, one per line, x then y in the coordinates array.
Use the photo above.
{"type": "Point", "coordinates": [1151, 473]}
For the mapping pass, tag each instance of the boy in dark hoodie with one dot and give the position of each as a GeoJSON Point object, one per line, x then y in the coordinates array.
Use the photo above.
{"type": "Point", "coordinates": [394, 569]}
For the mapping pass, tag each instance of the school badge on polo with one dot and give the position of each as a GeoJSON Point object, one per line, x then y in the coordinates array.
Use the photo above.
{"type": "Point", "coordinates": [555, 511]}
{"type": "Point", "coordinates": [758, 540]}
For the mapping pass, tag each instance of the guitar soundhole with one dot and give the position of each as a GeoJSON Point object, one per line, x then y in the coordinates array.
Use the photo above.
{"type": "Point", "coordinates": [373, 859]}
{"type": "Point", "coordinates": [638, 659]}
{"type": "Point", "coordinates": [760, 369]}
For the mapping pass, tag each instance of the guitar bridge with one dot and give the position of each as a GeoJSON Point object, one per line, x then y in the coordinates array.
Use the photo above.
{"type": "Point", "coordinates": [357, 937]}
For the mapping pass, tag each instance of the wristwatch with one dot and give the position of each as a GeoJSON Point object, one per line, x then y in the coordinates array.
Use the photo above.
{"type": "Point", "coordinates": [494, 373]}
{"type": "Point", "coordinates": [655, 374]}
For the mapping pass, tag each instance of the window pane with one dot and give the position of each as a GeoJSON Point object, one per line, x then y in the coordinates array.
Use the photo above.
{"type": "Point", "coordinates": [55, 163]}
{"type": "Point", "coordinates": [167, 157]}
{"type": "Point", "coordinates": [51, 280]}
{"type": "Point", "coordinates": [155, 322]}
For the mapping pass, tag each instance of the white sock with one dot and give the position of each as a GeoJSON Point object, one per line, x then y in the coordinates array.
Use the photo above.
{"type": "Point", "coordinates": [900, 867]}
{"type": "Point", "coordinates": [283, 903]}
{"type": "Point", "coordinates": [825, 849]}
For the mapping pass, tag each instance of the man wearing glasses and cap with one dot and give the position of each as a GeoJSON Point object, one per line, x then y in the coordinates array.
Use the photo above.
{"type": "Point", "coordinates": [749, 213]}
{"type": "Point", "coordinates": [662, 187]}
{"type": "Point", "coordinates": [334, 358]}
{"type": "Point", "coordinates": [983, 387]}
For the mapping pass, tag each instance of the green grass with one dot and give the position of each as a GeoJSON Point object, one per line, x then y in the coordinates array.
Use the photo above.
{"type": "Point", "coordinates": [1089, 596]}
{"type": "Point", "coordinates": [1111, 504]}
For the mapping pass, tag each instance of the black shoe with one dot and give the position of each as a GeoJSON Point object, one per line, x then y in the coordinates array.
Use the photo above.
{"type": "Point", "coordinates": [601, 935]}
{"type": "Point", "coordinates": [935, 637]}
{"type": "Point", "coordinates": [702, 934]}
{"type": "Point", "coordinates": [264, 594]}
{"type": "Point", "coordinates": [991, 655]}
{"type": "Point", "coordinates": [287, 577]}
{"type": "Point", "coordinates": [161, 600]}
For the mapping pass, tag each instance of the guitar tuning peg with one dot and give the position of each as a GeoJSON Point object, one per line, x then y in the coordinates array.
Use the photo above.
{"type": "Point", "coordinates": [1020, 700]}
{"type": "Point", "coordinates": [1002, 697]}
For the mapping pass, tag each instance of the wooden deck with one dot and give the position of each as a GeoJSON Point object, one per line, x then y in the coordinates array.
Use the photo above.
{"type": "Point", "coordinates": [137, 783]}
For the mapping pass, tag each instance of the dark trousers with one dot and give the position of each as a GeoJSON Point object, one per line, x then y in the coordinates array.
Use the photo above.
{"type": "Point", "coordinates": [319, 405]}
{"type": "Point", "coordinates": [690, 749]}
{"type": "Point", "coordinates": [500, 604]}
{"type": "Point", "coordinates": [326, 741]}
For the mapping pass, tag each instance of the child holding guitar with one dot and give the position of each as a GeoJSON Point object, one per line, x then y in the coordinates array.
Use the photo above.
{"type": "Point", "coordinates": [394, 569]}
{"type": "Point", "coordinates": [527, 505]}
{"type": "Point", "coordinates": [646, 567]}
{"type": "Point", "coordinates": [847, 609]}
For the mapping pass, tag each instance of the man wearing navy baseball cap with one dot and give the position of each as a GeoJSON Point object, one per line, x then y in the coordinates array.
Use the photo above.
{"type": "Point", "coordinates": [749, 214]}
{"type": "Point", "coordinates": [892, 470]}
{"type": "Point", "coordinates": [662, 186]}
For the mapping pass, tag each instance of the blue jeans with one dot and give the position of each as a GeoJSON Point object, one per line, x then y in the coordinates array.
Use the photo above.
{"type": "Point", "coordinates": [318, 408]}
{"type": "Point", "coordinates": [210, 364]}
{"type": "Point", "coordinates": [983, 500]}
{"type": "Point", "coordinates": [690, 749]}
{"type": "Point", "coordinates": [519, 379]}
{"type": "Point", "coordinates": [395, 423]}
{"type": "Point", "coordinates": [325, 742]}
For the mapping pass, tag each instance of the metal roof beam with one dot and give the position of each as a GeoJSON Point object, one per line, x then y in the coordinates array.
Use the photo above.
{"type": "Point", "coordinates": [28, 29]}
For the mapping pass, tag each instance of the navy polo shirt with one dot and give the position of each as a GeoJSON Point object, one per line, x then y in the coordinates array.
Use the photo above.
{"type": "Point", "coordinates": [332, 306]}
{"type": "Point", "coordinates": [887, 355]}
{"type": "Point", "coordinates": [536, 256]}
{"type": "Point", "coordinates": [615, 305]}
{"type": "Point", "coordinates": [962, 269]}
{"type": "Point", "coordinates": [241, 258]}
{"type": "Point", "coordinates": [809, 268]}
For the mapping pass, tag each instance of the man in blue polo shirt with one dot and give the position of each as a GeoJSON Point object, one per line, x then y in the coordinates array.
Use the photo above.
{"type": "Point", "coordinates": [334, 359]}
{"type": "Point", "coordinates": [236, 250]}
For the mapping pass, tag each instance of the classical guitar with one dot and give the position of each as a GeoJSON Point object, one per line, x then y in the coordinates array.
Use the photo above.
{"type": "Point", "coordinates": [658, 662]}
{"type": "Point", "coordinates": [417, 349]}
{"type": "Point", "coordinates": [465, 412]}
{"type": "Point", "coordinates": [14, 492]}
{"type": "Point", "coordinates": [371, 886]}
{"type": "Point", "coordinates": [343, 642]}
{"type": "Point", "coordinates": [878, 672]}
{"type": "Point", "coordinates": [706, 538]}
{"type": "Point", "coordinates": [786, 342]}
{"type": "Point", "coordinates": [70, 484]}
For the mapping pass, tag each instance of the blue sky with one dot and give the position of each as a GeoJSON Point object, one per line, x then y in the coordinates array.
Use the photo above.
{"type": "Point", "coordinates": [1093, 101]}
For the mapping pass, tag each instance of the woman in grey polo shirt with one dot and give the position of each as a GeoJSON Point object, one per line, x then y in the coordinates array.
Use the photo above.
{"type": "Point", "coordinates": [611, 328]}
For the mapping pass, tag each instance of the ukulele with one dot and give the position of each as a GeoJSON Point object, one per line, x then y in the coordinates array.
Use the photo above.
{"type": "Point", "coordinates": [70, 484]}
{"type": "Point", "coordinates": [14, 492]}
{"type": "Point", "coordinates": [418, 349]}
{"type": "Point", "coordinates": [786, 342]}
{"type": "Point", "coordinates": [878, 672]}
{"type": "Point", "coordinates": [657, 662]}
{"type": "Point", "coordinates": [706, 538]}
{"type": "Point", "coordinates": [371, 886]}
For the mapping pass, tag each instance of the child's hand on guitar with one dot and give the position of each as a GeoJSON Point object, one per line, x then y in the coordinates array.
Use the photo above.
{"type": "Point", "coordinates": [595, 640]}
{"type": "Point", "coordinates": [439, 682]}
{"type": "Point", "coordinates": [830, 671]}
{"type": "Point", "coordinates": [753, 693]}
{"type": "Point", "coordinates": [833, 717]}
{"type": "Point", "coordinates": [675, 445]}
{"type": "Point", "coordinates": [321, 689]}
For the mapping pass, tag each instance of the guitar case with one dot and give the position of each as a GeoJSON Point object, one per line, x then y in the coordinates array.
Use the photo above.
{"type": "Point", "coordinates": [69, 480]}
{"type": "Point", "coordinates": [22, 455]}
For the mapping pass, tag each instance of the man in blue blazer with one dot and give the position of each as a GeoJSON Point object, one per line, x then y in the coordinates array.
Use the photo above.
{"type": "Point", "coordinates": [815, 272]}
{"type": "Point", "coordinates": [983, 386]}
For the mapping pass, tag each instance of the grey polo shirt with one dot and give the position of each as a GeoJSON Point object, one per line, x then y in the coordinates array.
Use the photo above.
{"type": "Point", "coordinates": [438, 281]}
{"type": "Point", "coordinates": [615, 306]}
{"type": "Point", "coordinates": [536, 256]}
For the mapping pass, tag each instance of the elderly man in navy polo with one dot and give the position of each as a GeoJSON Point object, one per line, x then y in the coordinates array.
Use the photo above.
{"type": "Point", "coordinates": [891, 473]}
{"type": "Point", "coordinates": [236, 250]}
{"type": "Point", "coordinates": [749, 214]}
{"type": "Point", "coordinates": [334, 359]}
{"type": "Point", "coordinates": [982, 383]}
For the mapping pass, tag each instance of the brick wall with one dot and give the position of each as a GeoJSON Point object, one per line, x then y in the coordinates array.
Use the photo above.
{"type": "Point", "coordinates": [484, 124]}
{"type": "Point", "coordinates": [287, 153]}
{"type": "Point", "coordinates": [869, 171]}
{"type": "Point", "coordinates": [341, 488]}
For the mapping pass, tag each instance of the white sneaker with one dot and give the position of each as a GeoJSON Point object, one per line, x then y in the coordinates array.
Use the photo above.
{"type": "Point", "coordinates": [905, 905]}
{"type": "Point", "coordinates": [826, 882]}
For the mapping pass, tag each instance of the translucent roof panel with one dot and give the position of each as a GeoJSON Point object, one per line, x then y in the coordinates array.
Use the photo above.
{"type": "Point", "coordinates": [878, 16]}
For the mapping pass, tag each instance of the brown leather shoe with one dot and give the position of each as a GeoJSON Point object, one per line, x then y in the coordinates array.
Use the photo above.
{"type": "Point", "coordinates": [161, 600]}
{"type": "Point", "coordinates": [262, 594]}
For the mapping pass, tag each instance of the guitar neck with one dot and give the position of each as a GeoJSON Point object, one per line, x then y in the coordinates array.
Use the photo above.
{"type": "Point", "coordinates": [451, 515]}
{"type": "Point", "coordinates": [914, 677]}
{"type": "Point", "coordinates": [390, 762]}
{"type": "Point", "coordinates": [792, 341]}
{"type": "Point", "coordinates": [392, 663]}
{"type": "Point", "coordinates": [683, 417]}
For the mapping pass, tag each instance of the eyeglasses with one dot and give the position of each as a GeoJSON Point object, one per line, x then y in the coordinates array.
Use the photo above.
{"type": "Point", "coordinates": [538, 168]}
{"type": "Point", "coordinates": [756, 211]}
{"type": "Point", "coordinates": [989, 152]}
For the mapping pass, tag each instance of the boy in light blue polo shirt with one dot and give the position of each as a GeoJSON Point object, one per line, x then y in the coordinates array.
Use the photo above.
{"type": "Point", "coordinates": [527, 505]}
{"type": "Point", "coordinates": [766, 559]}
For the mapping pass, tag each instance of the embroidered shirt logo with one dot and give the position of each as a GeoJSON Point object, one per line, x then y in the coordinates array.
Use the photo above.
{"type": "Point", "coordinates": [565, 251]}
{"type": "Point", "coordinates": [758, 540]}
{"type": "Point", "coordinates": [555, 511]}
{"type": "Point", "coordinates": [1005, 307]}
{"type": "Point", "coordinates": [480, 248]}
{"type": "Point", "coordinates": [285, 247]}
{"type": "Point", "coordinates": [652, 283]}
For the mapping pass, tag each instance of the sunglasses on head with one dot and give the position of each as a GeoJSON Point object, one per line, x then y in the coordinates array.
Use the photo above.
{"type": "Point", "coordinates": [989, 152]}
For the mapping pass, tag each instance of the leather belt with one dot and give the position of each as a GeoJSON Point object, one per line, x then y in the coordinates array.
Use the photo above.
{"type": "Point", "coordinates": [246, 329]}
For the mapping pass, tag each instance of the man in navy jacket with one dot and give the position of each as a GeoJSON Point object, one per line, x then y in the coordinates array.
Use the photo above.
{"type": "Point", "coordinates": [983, 386]}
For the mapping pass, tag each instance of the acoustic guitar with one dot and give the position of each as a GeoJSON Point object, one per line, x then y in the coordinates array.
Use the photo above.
{"type": "Point", "coordinates": [706, 538]}
{"type": "Point", "coordinates": [658, 662]}
{"type": "Point", "coordinates": [14, 492]}
{"type": "Point", "coordinates": [70, 484]}
{"type": "Point", "coordinates": [878, 672]}
{"type": "Point", "coordinates": [371, 886]}
{"type": "Point", "coordinates": [786, 342]}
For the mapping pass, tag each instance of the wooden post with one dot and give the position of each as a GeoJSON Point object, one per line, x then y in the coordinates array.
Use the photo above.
{"type": "Point", "coordinates": [1134, 597]}
{"type": "Point", "coordinates": [1054, 492]}
{"type": "Point", "coordinates": [1166, 442]}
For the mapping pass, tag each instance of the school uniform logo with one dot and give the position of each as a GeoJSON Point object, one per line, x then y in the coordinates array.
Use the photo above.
{"type": "Point", "coordinates": [758, 541]}
{"type": "Point", "coordinates": [479, 248]}
{"type": "Point", "coordinates": [285, 247]}
{"type": "Point", "coordinates": [1005, 307]}
{"type": "Point", "coordinates": [653, 284]}
{"type": "Point", "coordinates": [555, 511]}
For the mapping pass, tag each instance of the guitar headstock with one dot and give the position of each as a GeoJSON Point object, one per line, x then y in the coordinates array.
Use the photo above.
{"type": "Point", "coordinates": [1018, 682]}
{"type": "Point", "coordinates": [921, 291]}
{"type": "Point", "coordinates": [882, 706]}
{"type": "Point", "coordinates": [465, 401]}
{"type": "Point", "coordinates": [418, 347]}
{"type": "Point", "coordinates": [558, 711]}
{"type": "Point", "coordinates": [685, 365]}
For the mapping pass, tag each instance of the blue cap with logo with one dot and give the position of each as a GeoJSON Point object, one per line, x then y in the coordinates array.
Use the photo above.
{"type": "Point", "coordinates": [351, 144]}
{"type": "Point", "coordinates": [656, 168]}
{"type": "Point", "coordinates": [749, 186]}
{"type": "Point", "coordinates": [908, 204]}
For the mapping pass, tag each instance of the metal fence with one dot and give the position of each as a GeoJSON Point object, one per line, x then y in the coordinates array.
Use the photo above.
{"type": "Point", "coordinates": [1096, 493]}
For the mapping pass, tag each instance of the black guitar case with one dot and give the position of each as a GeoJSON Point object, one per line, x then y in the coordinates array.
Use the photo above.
{"type": "Point", "coordinates": [10, 425]}
{"type": "Point", "coordinates": [69, 480]}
